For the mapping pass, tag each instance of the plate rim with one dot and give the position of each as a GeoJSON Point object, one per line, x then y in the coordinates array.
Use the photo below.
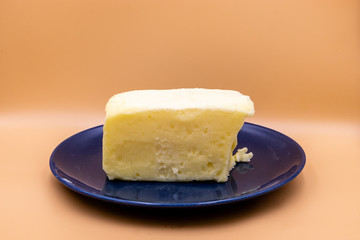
{"type": "Point", "coordinates": [55, 171]}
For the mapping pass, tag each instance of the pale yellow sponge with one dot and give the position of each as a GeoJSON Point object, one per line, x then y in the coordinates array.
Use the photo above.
{"type": "Point", "coordinates": [174, 135]}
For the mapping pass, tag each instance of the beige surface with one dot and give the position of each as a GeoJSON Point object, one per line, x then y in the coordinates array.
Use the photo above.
{"type": "Point", "coordinates": [60, 61]}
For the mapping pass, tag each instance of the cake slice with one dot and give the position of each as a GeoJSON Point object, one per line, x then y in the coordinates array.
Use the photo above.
{"type": "Point", "coordinates": [174, 135]}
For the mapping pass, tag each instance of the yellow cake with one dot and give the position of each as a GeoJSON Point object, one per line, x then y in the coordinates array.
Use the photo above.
{"type": "Point", "coordinates": [174, 135]}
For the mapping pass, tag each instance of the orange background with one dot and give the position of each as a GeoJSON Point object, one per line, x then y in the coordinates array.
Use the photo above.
{"type": "Point", "coordinates": [299, 61]}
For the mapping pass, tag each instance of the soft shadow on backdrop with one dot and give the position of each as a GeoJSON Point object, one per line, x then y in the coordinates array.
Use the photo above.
{"type": "Point", "coordinates": [296, 59]}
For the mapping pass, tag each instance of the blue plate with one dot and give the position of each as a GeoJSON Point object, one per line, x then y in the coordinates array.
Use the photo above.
{"type": "Point", "coordinates": [77, 163]}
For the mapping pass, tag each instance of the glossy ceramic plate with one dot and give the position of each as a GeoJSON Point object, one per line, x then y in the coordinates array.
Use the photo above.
{"type": "Point", "coordinates": [77, 163]}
